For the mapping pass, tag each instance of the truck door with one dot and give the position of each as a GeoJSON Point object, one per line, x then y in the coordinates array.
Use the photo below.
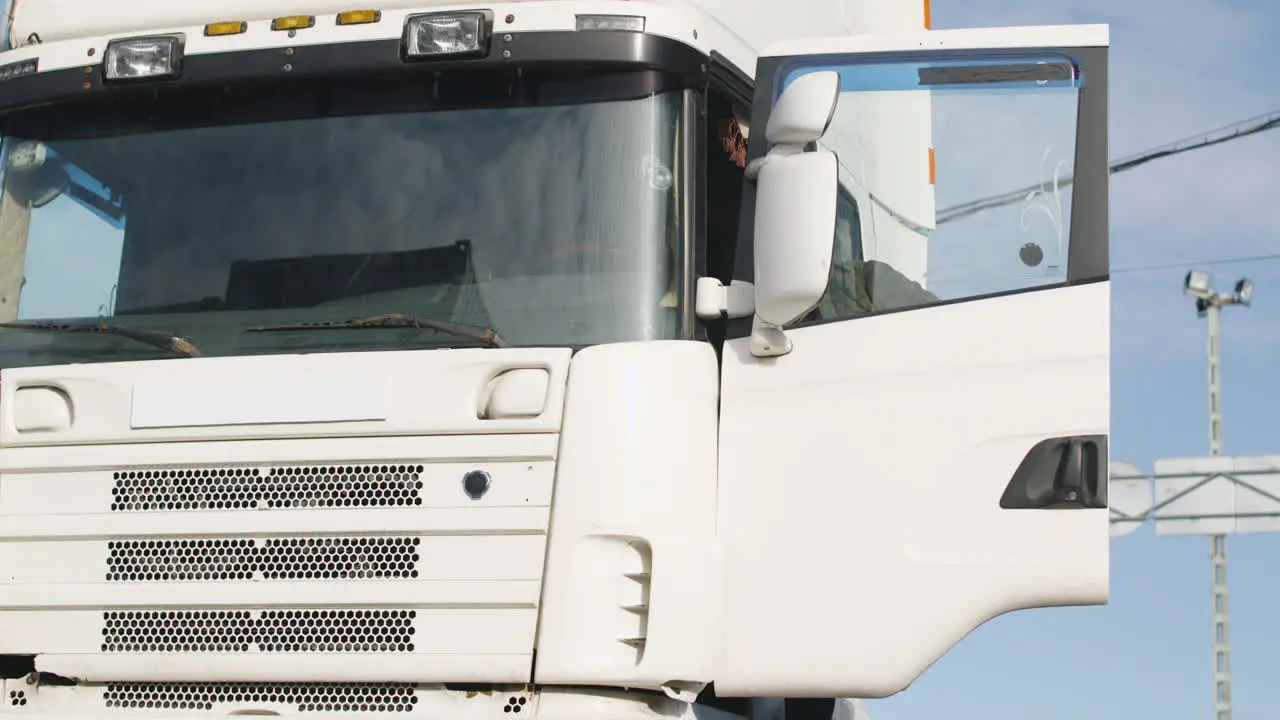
{"type": "Point", "coordinates": [932, 451]}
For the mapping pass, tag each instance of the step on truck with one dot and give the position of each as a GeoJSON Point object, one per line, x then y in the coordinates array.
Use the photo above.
{"type": "Point", "coordinates": [592, 359]}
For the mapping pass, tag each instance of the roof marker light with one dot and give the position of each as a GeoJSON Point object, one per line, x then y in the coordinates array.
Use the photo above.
{"type": "Point", "coordinates": [625, 23]}
{"type": "Point", "coordinates": [359, 17]}
{"type": "Point", "coordinates": [446, 34]}
{"type": "Point", "coordinates": [293, 22]}
{"type": "Point", "coordinates": [230, 27]}
{"type": "Point", "coordinates": [145, 58]}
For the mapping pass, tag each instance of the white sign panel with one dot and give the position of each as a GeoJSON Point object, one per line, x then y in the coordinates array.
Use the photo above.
{"type": "Point", "coordinates": [1258, 494]}
{"type": "Point", "coordinates": [1128, 497]}
{"type": "Point", "coordinates": [1217, 495]}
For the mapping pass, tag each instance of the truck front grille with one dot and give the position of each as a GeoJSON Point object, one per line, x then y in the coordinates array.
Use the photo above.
{"type": "Point", "coordinates": [270, 631]}
{"type": "Point", "coordinates": [311, 558]}
{"type": "Point", "coordinates": [276, 487]}
{"type": "Point", "coordinates": [302, 697]}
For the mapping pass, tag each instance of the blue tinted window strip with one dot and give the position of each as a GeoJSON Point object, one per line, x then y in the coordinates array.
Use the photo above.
{"type": "Point", "coordinates": [904, 76]}
{"type": "Point", "coordinates": [908, 79]}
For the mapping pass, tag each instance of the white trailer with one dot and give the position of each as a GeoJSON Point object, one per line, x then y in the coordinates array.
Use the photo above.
{"type": "Point", "coordinates": [576, 359]}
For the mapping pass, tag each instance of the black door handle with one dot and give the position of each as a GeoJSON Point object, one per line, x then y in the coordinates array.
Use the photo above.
{"type": "Point", "coordinates": [1060, 473]}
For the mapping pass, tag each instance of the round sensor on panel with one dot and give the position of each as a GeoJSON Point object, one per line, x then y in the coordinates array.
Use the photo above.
{"type": "Point", "coordinates": [476, 483]}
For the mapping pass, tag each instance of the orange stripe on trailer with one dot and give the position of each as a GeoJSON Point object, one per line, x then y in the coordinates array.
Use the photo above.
{"type": "Point", "coordinates": [928, 16]}
{"type": "Point", "coordinates": [933, 168]}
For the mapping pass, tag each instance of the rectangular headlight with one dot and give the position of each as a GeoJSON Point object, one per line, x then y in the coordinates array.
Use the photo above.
{"type": "Point", "coordinates": [143, 58]}
{"type": "Point", "coordinates": [446, 34]}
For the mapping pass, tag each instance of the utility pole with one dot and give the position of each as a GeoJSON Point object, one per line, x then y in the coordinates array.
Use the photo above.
{"type": "Point", "coordinates": [1210, 304]}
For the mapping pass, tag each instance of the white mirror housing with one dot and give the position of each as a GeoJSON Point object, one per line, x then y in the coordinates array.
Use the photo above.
{"type": "Point", "coordinates": [795, 226]}
{"type": "Point", "coordinates": [804, 110]}
{"type": "Point", "coordinates": [795, 213]}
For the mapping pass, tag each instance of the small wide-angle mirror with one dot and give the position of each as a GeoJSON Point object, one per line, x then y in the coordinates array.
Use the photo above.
{"type": "Point", "coordinates": [803, 112]}
{"type": "Point", "coordinates": [36, 174]}
{"type": "Point", "coordinates": [38, 186]}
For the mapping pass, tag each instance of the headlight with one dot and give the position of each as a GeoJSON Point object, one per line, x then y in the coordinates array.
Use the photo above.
{"type": "Point", "coordinates": [143, 58]}
{"type": "Point", "coordinates": [446, 34]}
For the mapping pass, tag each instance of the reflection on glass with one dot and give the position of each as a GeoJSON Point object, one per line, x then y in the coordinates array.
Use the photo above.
{"type": "Point", "coordinates": [921, 145]}
{"type": "Point", "coordinates": [554, 222]}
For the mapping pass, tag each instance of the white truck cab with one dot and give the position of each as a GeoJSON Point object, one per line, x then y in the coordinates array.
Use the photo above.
{"type": "Point", "coordinates": [595, 359]}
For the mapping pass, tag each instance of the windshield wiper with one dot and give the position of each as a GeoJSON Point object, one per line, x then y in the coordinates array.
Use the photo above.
{"type": "Point", "coordinates": [154, 338]}
{"type": "Point", "coordinates": [487, 336]}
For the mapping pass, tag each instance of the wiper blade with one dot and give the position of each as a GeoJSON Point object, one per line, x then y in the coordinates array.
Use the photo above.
{"type": "Point", "coordinates": [154, 338]}
{"type": "Point", "coordinates": [487, 336]}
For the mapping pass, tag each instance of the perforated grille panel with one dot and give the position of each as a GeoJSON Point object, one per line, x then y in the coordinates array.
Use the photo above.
{"type": "Point", "coordinates": [242, 488]}
{"type": "Point", "coordinates": [346, 558]}
{"type": "Point", "coordinates": [241, 631]}
{"type": "Point", "coordinates": [305, 698]}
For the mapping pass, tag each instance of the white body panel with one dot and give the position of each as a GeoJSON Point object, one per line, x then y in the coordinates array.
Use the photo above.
{"type": "Point", "coordinates": [280, 396]}
{"type": "Point", "coordinates": [318, 554]}
{"type": "Point", "coordinates": [757, 22]}
{"type": "Point", "coordinates": [631, 593]}
{"type": "Point", "coordinates": [858, 500]}
{"type": "Point", "coordinates": [72, 31]}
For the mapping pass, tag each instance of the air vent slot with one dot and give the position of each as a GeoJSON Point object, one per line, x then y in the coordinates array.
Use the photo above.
{"type": "Point", "coordinates": [248, 488]}
{"type": "Point", "coordinates": [634, 601]}
{"type": "Point", "coordinates": [271, 631]}
{"type": "Point", "coordinates": [302, 698]}
{"type": "Point", "coordinates": [311, 558]}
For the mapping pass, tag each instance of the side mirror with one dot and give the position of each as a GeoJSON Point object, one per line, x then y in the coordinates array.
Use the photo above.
{"type": "Point", "coordinates": [37, 176]}
{"type": "Point", "coordinates": [803, 112]}
{"type": "Point", "coordinates": [795, 213]}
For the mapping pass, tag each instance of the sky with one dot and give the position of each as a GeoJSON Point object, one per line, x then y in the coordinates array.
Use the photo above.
{"type": "Point", "coordinates": [1178, 68]}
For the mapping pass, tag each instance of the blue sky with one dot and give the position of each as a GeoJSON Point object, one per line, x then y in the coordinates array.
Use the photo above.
{"type": "Point", "coordinates": [1178, 67]}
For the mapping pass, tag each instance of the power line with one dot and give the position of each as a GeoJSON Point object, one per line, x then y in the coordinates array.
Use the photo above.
{"type": "Point", "coordinates": [1270, 257]}
{"type": "Point", "coordinates": [1217, 136]}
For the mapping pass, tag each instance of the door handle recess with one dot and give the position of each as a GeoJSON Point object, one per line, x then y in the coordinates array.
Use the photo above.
{"type": "Point", "coordinates": [1060, 473]}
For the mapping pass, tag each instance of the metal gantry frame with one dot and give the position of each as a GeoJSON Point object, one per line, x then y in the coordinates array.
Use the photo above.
{"type": "Point", "coordinates": [1216, 496]}
{"type": "Point", "coordinates": [1159, 511]}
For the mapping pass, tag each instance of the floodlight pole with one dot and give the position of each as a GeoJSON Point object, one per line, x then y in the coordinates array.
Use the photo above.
{"type": "Point", "coordinates": [1218, 543]}
{"type": "Point", "coordinates": [1210, 304]}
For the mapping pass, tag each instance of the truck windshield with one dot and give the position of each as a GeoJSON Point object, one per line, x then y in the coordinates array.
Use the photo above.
{"type": "Point", "coordinates": [510, 202]}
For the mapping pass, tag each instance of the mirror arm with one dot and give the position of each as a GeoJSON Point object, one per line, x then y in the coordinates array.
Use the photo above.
{"type": "Point", "coordinates": [753, 168]}
{"type": "Point", "coordinates": [768, 340]}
